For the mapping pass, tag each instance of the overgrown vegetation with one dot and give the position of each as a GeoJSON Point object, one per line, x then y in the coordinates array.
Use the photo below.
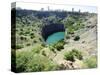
{"type": "Point", "coordinates": [59, 45]}
{"type": "Point", "coordinates": [32, 62]}
{"type": "Point", "coordinates": [73, 23]}
{"type": "Point", "coordinates": [71, 55]}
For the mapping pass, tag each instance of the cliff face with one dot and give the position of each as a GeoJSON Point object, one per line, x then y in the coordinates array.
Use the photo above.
{"type": "Point", "coordinates": [50, 29]}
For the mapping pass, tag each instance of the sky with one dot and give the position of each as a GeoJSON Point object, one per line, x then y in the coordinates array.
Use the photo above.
{"type": "Point", "coordinates": [38, 6]}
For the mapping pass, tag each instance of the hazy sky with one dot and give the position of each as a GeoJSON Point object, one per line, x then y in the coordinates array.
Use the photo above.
{"type": "Point", "coordinates": [38, 6]}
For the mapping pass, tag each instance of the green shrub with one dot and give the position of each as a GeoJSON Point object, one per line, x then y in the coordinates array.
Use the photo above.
{"type": "Point", "coordinates": [52, 48]}
{"type": "Point", "coordinates": [35, 67]}
{"type": "Point", "coordinates": [71, 30]}
{"type": "Point", "coordinates": [91, 62]}
{"type": "Point", "coordinates": [70, 21]}
{"type": "Point", "coordinates": [76, 38]}
{"type": "Point", "coordinates": [21, 33]}
{"type": "Point", "coordinates": [28, 44]}
{"type": "Point", "coordinates": [59, 45]}
{"type": "Point", "coordinates": [35, 41]}
{"type": "Point", "coordinates": [43, 45]}
{"type": "Point", "coordinates": [37, 48]}
{"type": "Point", "coordinates": [21, 29]}
{"type": "Point", "coordinates": [28, 61]}
{"type": "Point", "coordinates": [40, 39]}
{"type": "Point", "coordinates": [19, 46]}
{"type": "Point", "coordinates": [32, 35]}
{"type": "Point", "coordinates": [71, 55]}
{"type": "Point", "coordinates": [27, 32]}
{"type": "Point", "coordinates": [21, 61]}
{"type": "Point", "coordinates": [62, 67]}
{"type": "Point", "coordinates": [23, 38]}
{"type": "Point", "coordinates": [43, 53]}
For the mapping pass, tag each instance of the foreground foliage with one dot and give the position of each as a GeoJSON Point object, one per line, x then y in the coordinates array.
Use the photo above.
{"type": "Point", "coordinates": [33, 61]}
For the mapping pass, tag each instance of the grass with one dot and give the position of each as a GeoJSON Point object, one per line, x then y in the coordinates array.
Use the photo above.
{"type": "Point", "coordinates": [91, 62]}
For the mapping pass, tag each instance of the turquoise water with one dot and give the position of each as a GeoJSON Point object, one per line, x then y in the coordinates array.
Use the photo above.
{"type": "Point", "coordinates": [55, 37]}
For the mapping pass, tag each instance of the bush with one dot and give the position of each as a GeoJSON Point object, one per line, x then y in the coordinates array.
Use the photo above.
{"type": "Point", "coordinates": [59, 45]}
{"type": "Point", "coordinates": [21, 29]}
{"type": "Point", "coordinates": [37, 48]}
{"type": "Point", "coordinates": [19, 46]}
{"type": "Point", "coordinates": [28, 61]}
{"type": "Point", "coordinates": [43, 45]}
{"type": "Point", "coordinates": [35, 67]}
{"type": "Point", "coordinates": [28, 44]}
{"type": "Point", "coordinates": [35, 41]}
{"type": "Point", "coordinates": [21, 33]}
{"type": "Point", "coordinates": [40, 39]}
{"type": "Point", "coordinates": [71, 30]}
{"type": "Point", "coordinates": [32, 35]}
{"type": "Point", "coordinates": [43, 53]}
{"type": "Point", "coordinates": [76, 38]}
{"type": "Point", "coordinates": [21, 61]}
{"type": "Point", "coordinates": [27, 32]}
{"type": "Point", "coordinates": [91, 62]}
{"type": "Point", "coordinates": [71, 55]}
{"type": "Point", "coordinates": [62, 67]}
{"type": "Point", "coordinates": [23, 38]}
{"type": "Point", "coordinates": [52, 49]}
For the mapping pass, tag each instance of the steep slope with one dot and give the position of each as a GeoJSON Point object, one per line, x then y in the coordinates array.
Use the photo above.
{"type": "Point", "coordinates": [87, 43]}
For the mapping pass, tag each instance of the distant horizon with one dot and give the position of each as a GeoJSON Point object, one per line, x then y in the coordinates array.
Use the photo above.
{"type": "Point", "coordinates": [19, 8]}
{"type": "Point", "coordinates": [53, 7]}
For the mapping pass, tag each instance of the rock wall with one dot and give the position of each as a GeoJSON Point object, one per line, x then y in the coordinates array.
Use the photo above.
{"type": "Point", "coordinates": [50, 29]}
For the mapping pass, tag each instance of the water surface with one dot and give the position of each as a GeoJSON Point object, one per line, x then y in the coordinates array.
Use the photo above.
{"type": "Point", "coordinates": [55, 37]}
